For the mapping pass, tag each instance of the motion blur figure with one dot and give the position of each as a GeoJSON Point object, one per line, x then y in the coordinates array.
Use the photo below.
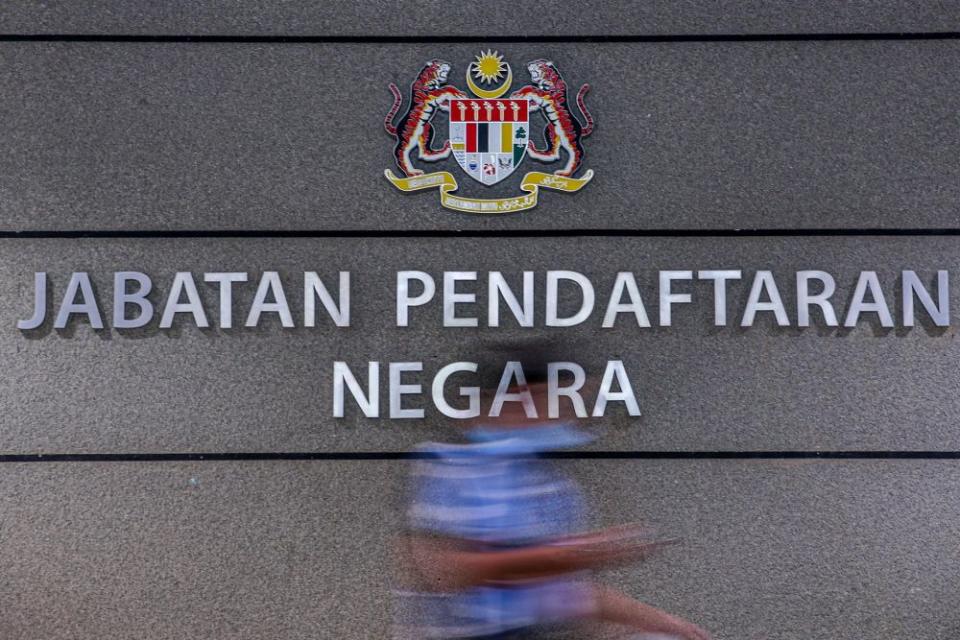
{"type": "Point", "coordinates": [495, 547]}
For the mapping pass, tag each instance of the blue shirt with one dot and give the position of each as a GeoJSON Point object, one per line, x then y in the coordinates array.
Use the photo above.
{"type": "Point", "coordinates": [495, 492]}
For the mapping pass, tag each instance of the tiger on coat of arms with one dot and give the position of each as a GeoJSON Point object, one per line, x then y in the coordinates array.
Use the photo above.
{"type": "Point", "coordinates": [563, 131]}
{"type": "Point", "coordinates": [428, 94]}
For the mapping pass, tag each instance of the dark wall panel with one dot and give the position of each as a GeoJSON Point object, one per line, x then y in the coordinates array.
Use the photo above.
{"type": "Point", "coordinates": [431, 17]}
{"type": "Point", "coordinates": [282, 136]}
{"type": "Point", "coordinates": [302, 550]}
{"type": "Point", "coordinates": [269, 388]}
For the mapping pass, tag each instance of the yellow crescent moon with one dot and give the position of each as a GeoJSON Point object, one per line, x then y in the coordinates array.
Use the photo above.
{"type": "Point", "coordinates": [492, 93]}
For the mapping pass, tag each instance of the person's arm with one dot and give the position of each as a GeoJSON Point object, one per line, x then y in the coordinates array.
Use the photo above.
{"type": "Point", "coordinates": [618, 608]}
{"type": "Point", "coordinates": [446, 563]}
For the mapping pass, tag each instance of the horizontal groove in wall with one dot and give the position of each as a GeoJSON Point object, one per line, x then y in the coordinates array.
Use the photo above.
{"type": "Point", "coordinates": [417, 455]}
{"type": "Point", "coordinates": [453, 39]}
{"type": "Point", "coordinates": [471, 233]}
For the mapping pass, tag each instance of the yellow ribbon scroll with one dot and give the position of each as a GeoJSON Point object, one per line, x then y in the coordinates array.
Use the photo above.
{"type": "Point", "coordinates": [531, 184]}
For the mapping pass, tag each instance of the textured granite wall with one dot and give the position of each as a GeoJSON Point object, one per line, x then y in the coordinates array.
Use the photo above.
{"type": "Point", "coordinates": [500, 17]}
{"type": "Point", "coordinates": [253, 154]}
{"type": "Point", "coordinates": [690, 135]}
{"type": "Point", "coordinates": [292, 549]}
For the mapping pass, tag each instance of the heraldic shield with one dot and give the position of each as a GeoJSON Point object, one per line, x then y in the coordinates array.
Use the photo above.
{"type": "Point", "coordinates": [489, 137]}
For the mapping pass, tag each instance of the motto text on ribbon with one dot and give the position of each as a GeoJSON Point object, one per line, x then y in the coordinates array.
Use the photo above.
{"type": "Point", "coordinates": [532, 183]}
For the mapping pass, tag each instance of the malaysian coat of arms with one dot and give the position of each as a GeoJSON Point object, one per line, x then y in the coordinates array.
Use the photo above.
{"type": "Point", "coordinates": [489, 132]}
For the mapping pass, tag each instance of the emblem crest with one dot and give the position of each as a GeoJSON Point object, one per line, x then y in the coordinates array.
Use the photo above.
{"type": "Point", "coordinates": [489, 135]}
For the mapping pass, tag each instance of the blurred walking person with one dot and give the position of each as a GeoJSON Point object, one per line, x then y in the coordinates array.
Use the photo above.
{"type": "Point", "coordinates": [495, 547]}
